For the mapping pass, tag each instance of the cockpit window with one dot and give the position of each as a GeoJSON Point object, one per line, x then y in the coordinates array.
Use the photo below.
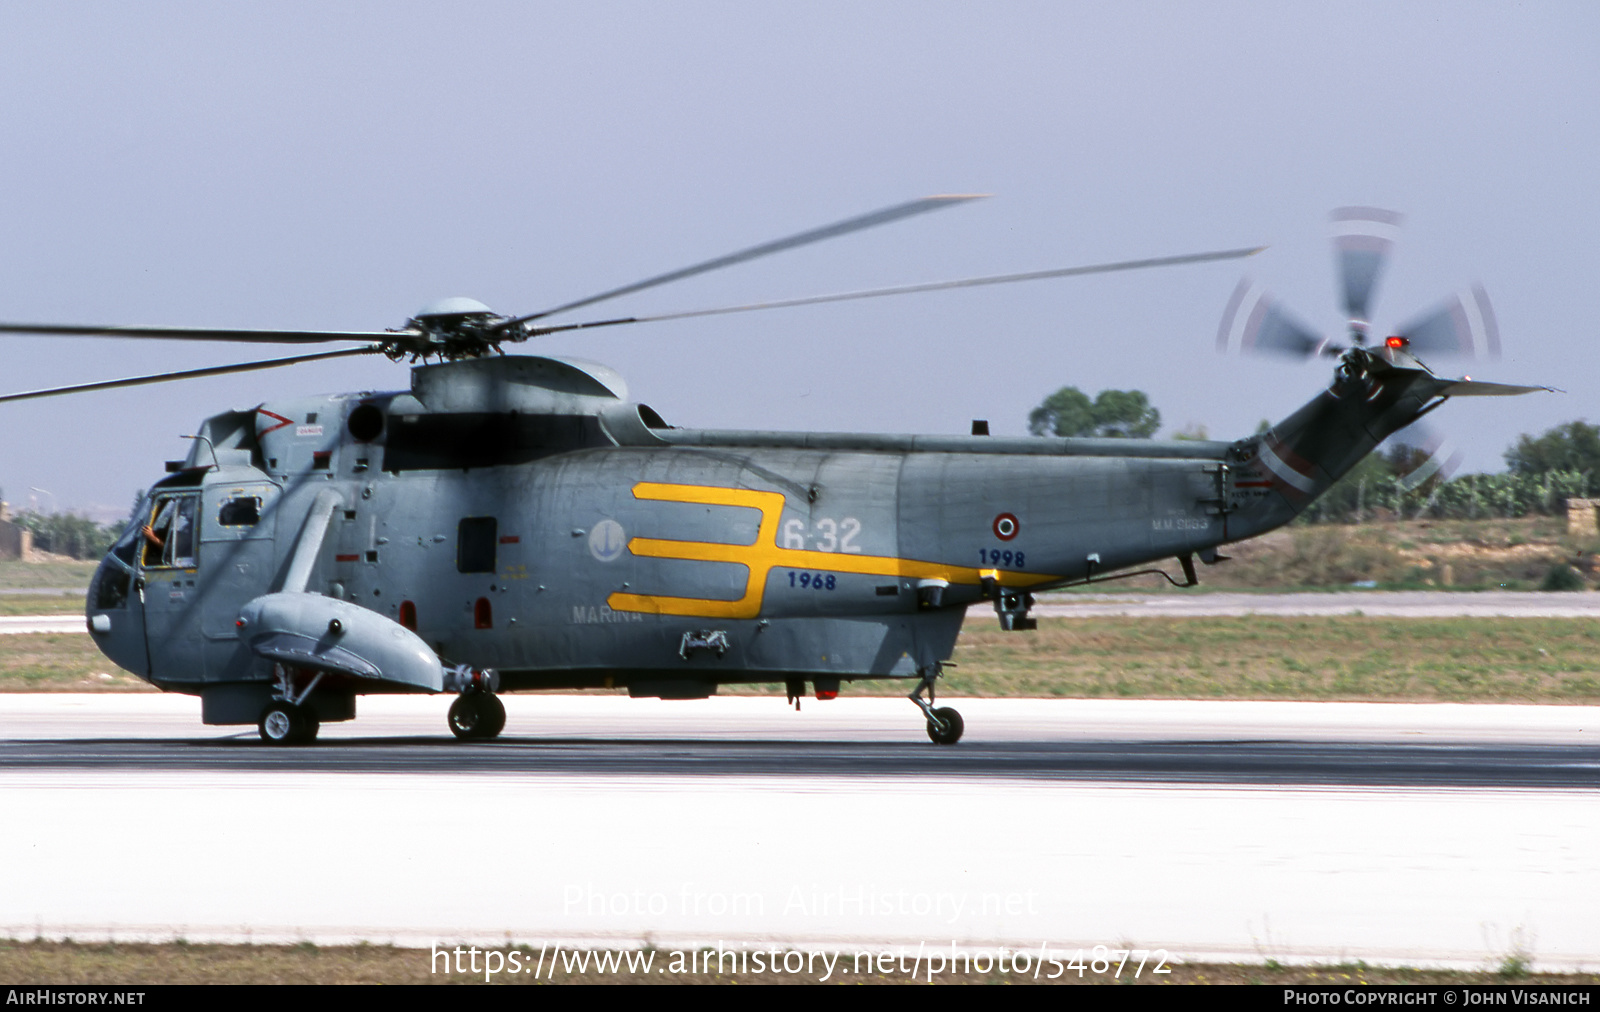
{"type": "Point", "coordinates": [169, 537]}
{"type": "Point", "coordinates": [113, 579]}
{"type": "Point", "coordinates": [240, 511]}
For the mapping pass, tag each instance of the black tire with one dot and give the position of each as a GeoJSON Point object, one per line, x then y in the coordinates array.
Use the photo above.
{"type": "Point", "coordinates": [953, 726]}
{"type": "Point", "coordinates": [464, 717]}
{"type": "Point", "coordinates": [310, 724]}
{"type": "Point", "coordinates": [281, 723]}
{"type": "Point", "coordinates": [477, 716]}
{"type": "Point", "coordinates": [495, 716]}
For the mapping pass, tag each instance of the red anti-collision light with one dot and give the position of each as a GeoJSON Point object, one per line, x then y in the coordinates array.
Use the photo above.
{"type": "Point", "coordinates": [1397, 342]}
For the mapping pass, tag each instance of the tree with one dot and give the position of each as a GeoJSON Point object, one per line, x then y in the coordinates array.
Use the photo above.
{"type": "Point", "coordinates": [1574, 446]}
{"type": "Point", "coordinates": [1113, 413]}
{"type": "Point", "coordinates": [1067, 412]}
{"type": "Point", "coordinates": [69, 534]}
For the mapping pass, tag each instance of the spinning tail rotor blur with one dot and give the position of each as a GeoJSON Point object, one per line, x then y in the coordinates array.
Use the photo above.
{"type": "Point", "coordinates": [1463, 325]}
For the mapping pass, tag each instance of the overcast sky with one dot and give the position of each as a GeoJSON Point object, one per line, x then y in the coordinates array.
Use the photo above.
{"type": "Point", "coordinates": [339, 165]}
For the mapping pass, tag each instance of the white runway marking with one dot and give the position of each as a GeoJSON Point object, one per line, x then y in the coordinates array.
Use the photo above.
{"type": "Point", "coordinates": [42, 624]}
{"type": "Point", "coordinates": [1406, 875]}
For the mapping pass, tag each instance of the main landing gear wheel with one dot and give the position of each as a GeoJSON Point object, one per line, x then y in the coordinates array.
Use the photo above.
{"type": "Point", "coordinates": [950, 732]}
{"type": "Point", "coordinates": [477, 716]}
{"type": "Point", "coordinates": [283, 723]}
{"type": "Point", "coordinates": [944, 723]}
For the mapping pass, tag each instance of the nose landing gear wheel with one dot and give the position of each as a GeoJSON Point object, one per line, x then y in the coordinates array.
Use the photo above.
{"type": "Point", "coordinates": [283, 723]}
{"type": "Point", "coordinates": [950, 733]}
{"type": "Point", "coordinates": [477, 716]}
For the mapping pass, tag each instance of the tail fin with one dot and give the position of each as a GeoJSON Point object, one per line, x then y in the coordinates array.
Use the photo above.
{"type": "Point", "coordinates": [1277, 474]}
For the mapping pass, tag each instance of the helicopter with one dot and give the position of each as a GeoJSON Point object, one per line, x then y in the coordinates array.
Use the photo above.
{"type": "Point", "coordinates": [515, 522]}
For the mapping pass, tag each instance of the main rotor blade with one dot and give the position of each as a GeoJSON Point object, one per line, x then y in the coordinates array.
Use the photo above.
{"type": "Point", "coordinates": [882, 217]}
{"type": "Point", "coordinates": [1463, 325]}
{"type": "Point", "coordinates": [931, 286]}
{"type": "Point", "coordinates": [1253, 323]}
{"type": "Point", "coordinates": [164, 377]}
{"type": "Point", "coordinates": [1362, 238]}
{"type": "Point", "coordinates": [197, 333]}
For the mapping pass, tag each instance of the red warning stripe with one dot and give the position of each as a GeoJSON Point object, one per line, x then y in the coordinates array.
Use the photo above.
{"type": "Point", "coordinates": [282, 421]}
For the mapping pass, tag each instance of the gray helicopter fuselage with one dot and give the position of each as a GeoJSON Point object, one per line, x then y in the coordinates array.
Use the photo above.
{"type": "Point", "coordinates": [516, 522]}
{"type": "Point", "coordinates": [519, 514]}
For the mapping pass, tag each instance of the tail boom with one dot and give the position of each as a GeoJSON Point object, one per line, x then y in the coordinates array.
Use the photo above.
{"type": "Point", "coordinates": [1278, 473]}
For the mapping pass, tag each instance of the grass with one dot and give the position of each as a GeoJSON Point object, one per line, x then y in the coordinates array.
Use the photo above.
{"type": "Point", "coordinates": [1255, 657]}
{"type": "Point", "coordinates": [60, 662]}
{"type": "Point", "coordinates": [1400, 555]}
{"type": "Point", "coordinates": [1478, 660]}
{"type": "Point", "coordinates": [132, 964]}
{"type": "Point", "coordinates": [1251, 657]}
{"type": "Point", "coordinates": [41, 604]}
{"type": "Point", "coordinates": [46, 574]}
{"type": "Point", "coordinates": [1513, 967]}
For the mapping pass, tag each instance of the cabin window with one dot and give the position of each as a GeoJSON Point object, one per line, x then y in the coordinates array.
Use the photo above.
{"type": "Point", "coordinates": [475, 544]}
{"type": "Point", "coordinates": [239, 511]}
{"type": "Point", "coordinates": [169, 536]}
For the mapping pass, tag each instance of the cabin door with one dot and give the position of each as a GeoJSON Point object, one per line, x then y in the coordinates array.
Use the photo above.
{"type": "Point", "coordinates": [169, 576]}
{"type": "Point", "coordinates": [237, 523]}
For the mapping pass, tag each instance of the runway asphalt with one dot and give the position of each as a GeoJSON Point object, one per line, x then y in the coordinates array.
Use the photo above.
{"type": "Point", "coordinates": [1280, 763]}
{"type": "Point", "coordinates": [1434, 833]}
{"type": "Point", "coordinates": [1151, 741]}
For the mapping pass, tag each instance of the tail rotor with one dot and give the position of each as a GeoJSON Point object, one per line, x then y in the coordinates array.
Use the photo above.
{"type": "Point", "coordinates": [1362, 239]}
{"type": "Point", "coordinates": [1254, 324]}
{"type": "Point", "coordinates": [1463, 325]}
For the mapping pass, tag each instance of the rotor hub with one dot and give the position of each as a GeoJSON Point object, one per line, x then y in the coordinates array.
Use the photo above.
{"type": "Point", "coordinates": [452, 329]}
